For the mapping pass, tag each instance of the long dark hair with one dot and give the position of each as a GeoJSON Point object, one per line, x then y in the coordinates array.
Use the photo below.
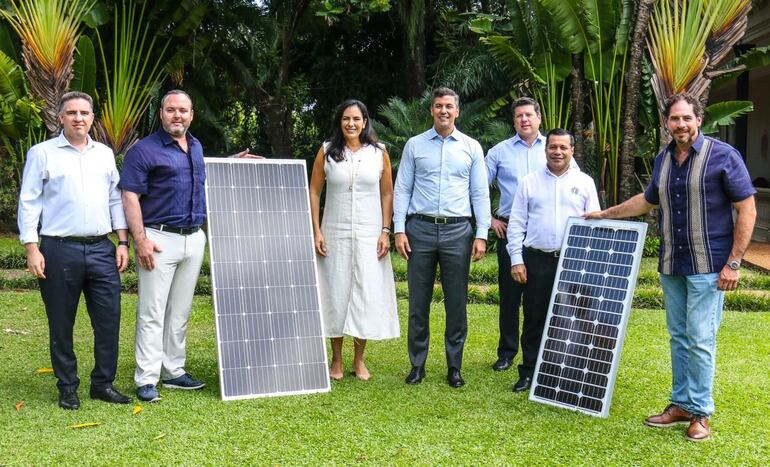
{"type": "Point", "coordinates": [336, 149]}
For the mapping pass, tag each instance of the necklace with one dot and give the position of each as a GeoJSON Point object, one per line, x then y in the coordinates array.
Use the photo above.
{"type": "Point", "coordinates": [354, 160]}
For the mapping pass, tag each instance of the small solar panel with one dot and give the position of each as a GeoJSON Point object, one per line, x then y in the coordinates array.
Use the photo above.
{"type": "Point", "coordinates": [588, 314]}
{"type": "Point", "coordinates": [264, 279]}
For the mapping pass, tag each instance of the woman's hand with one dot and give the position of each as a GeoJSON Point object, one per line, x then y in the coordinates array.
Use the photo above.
{"type": "Point", "coordinates": [320, 244]}
{"type": "Point", "coordinates": [383, 245]}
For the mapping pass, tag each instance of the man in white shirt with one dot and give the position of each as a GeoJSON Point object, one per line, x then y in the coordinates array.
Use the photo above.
{"type": "Point", "coordinates": [544, 200]}
{"type": "Point", "coordinates": [70, 189]}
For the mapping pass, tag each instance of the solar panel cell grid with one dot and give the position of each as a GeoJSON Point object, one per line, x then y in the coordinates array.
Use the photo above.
{"type": "Point", "coordinates": [586, 322]}
{"type": "Point", "coordinates": [269, 331]}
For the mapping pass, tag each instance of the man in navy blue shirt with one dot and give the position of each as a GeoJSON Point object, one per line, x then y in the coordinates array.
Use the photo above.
{"type": "Point", "coordinates": [163, 196]}
{"type": "Point", "coordinates": [697, 182]}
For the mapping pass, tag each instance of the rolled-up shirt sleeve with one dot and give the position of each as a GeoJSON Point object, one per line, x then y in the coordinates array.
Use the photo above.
{"type": "Point", "coordinates": [31, 196]}
{"type": "Point", "coordinates": [402, 190]}
{"type": "Point", "coordinates": [517, 225]}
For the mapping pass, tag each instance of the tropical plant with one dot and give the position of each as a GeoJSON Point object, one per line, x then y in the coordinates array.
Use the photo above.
{"type": "Point", "coordinates": [599, 30]}
{"type": "Point", "coordinates": [131, 81]}
{"type": "Point", "coordinates": [723, 114]}
{"type": "Point", "coordinates": [20, 128]}
{"type": "Point", "coordinates": [536, 61]}
{"type": "Point", "coordinates": [399, 120]}
{"type": "Point", "coordinates": [49, 31]}
{"type": "Point", "coordinates": [689, 39]}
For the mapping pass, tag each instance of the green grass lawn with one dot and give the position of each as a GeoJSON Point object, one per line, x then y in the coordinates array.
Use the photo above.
{"type": "Point", "coordinates": [382, 421]}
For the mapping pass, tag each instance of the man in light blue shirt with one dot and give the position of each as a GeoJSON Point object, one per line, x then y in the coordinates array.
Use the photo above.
{"type": "Point", "coordinates": [441, 184]}
{"type": "Point", "coordinates": [508, 162]}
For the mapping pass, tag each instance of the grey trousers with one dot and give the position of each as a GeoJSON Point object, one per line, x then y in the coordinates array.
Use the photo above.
{"type": "Point", "coordinates": [449, 246]}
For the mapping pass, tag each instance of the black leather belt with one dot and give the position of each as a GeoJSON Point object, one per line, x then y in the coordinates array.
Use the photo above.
{"type": "Point", "coordinates": [85, 240]}
{"type": "Point", "coordinates": [441, 220]}
{"type": "Point", "coordinates": [176, 230]}
{"type": "Point", "coordinates": [552, 254]}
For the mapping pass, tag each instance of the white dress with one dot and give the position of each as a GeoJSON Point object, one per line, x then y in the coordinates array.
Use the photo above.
{"type": "Point", "coordinates": [358, 294]}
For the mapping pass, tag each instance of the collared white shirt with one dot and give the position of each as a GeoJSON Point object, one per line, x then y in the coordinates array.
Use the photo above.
{"type": "Point", "coordinates": [69, 192]}
{"type": "Point", "coordinates": [541, 206]}
{"type": "Point", "coordinates": [442, 177]}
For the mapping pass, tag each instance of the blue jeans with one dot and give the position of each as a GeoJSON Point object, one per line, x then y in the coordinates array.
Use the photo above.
{"type": "Point", "coordinates": [693, 312]}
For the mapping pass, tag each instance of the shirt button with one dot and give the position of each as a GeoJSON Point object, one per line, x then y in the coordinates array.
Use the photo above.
{"type": "Point", "coordinates": [677, 195]}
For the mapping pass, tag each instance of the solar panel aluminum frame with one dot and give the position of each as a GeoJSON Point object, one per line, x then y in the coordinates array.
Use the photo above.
{"type": "Point", "coordinates": [213, 255]}
{"type": "Point", "coordinates": [641, 228]}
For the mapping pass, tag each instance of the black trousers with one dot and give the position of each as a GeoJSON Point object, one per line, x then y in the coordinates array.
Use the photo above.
{"type": "Point", "coordinates": [72, 268]}
{"type": "Point", "coordinates": [510, 301]}
{"type": "Point", "coordinates": [541, 272]}
{"type": "Point", "coordinates": [449, 246]}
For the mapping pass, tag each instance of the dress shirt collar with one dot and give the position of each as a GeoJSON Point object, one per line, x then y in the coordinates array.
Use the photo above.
{"type": "Point", "coordinates": [697, 145]}
{"type": "Point", "coordinates": [518, 139]}
{"type": "Point", "coordinates": [168, 140]}
{"type": "Point", "coordinates": [62, 142]}
{"type": "Point", "coordinates": [549, 173]}
{"type": "Point", "coordinates": [432, 133]}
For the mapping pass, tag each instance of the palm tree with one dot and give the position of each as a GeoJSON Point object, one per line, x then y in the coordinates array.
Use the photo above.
{"type": "Point", "coordinates": [136, 73]}
{"type": "Point", "coordinates": [598, 30]}
{"type": "Point", "coordinates": [689, 39]}
{"type": "Point", "coordinates": [49, 31]}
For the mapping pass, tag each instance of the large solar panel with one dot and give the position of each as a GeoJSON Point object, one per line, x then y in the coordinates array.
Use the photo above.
{"type": "Point", "coordinates": [264, 279]}
{"type": "Point", "coordinates": [587, 317]}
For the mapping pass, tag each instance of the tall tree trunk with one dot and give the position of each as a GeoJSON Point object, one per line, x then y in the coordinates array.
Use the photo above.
{"type": "Point", "coordinates": [633, 77]}
{"type": "Point", "coordinates": [275, 106]}
{"type": "Point", "coordinates": [278, 123]}
{"type": "Point", "coordinates": [577, 76]}
{"type": "Point", "coordinates": [412, 15]}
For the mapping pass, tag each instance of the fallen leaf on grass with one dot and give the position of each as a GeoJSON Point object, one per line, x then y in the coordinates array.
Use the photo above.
{"type": "Point", "coordinates": [137, 409]}
{"type": "Point", "coordinates": [16, 331]}
{"type": "Point", "coordinates": [160, 436]}
{"type": "Point", "coordinates": [85, 425]}
{"type": "Point", "coordinates": [19, 405]}
{"type": "Point", "coordinates": [44, 371]}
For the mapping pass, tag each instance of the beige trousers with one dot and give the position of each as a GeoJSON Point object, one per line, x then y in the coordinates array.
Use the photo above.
{"type": "Point", "coordinates": [165, 299]}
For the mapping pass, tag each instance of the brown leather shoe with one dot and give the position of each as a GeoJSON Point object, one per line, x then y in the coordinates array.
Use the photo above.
{"type": "Point", "coordinates": [699, 429]}
{"type": "Point", "coordinates": [672, 415]}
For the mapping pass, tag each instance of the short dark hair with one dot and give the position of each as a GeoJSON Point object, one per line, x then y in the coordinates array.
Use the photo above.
{"type": "Point", "coordinates": [445, 91]}
{"type": "Point", "coordinates": [68, 96]}
{"type": "Point", "coordinates": [697, 106]}
{"type": "Point", "coordinates": [560, 132]}
{"type": "Point", "coordinates": [175, 92]}
{"type": "Point", "coordinates": [522, 101]}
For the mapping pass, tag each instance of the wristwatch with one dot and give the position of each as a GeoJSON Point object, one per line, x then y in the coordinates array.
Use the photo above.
{"type": "Point", "coordinates": [123, 243]}
{"type": "Point", "coordinates": [734, 265]}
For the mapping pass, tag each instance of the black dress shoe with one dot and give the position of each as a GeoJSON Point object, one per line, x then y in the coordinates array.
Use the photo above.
{"type": "Point", "coordinates": [454, 379]}
{"type": "Point", "coordinates": [523, 384]}
{"type": "Point", "coordinates": [502, 364]}
{"type": "Point", "coordinates": [109, 394]}
{"type": "Point", "coordinates": [69, 400]}
{"type": "Point", "coordinates": [416, 375]}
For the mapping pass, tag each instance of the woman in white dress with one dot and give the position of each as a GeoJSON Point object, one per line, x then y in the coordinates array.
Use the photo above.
{"type": "Point", "coordinates": [358, 296]}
